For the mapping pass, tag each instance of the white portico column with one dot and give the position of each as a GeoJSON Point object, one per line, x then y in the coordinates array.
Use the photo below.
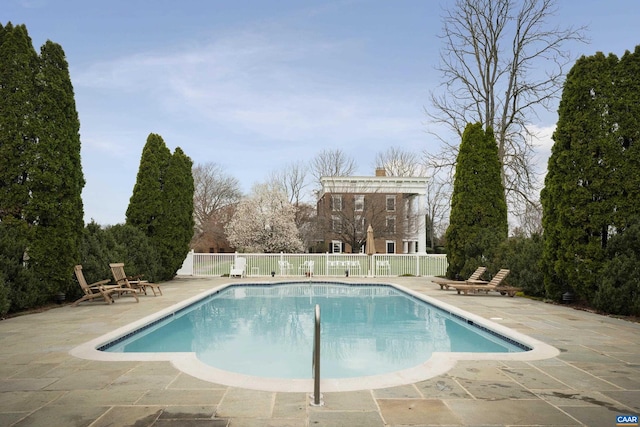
{"type": "Point", "coordinates": [422, 228]}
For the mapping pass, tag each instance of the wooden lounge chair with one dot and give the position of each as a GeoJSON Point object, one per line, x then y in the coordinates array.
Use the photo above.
{"type": "Point", "coordinates": [475, 286]}
{"type": "Point", "coordinates": [99, 289]}
{"type": "Point", "coordinates": [446, 283]}
{"type": "Point", "coordinates": [117, 269]}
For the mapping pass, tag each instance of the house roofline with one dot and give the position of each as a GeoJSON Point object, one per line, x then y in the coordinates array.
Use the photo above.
{"type": "Point", "coordinates": [373, 184]}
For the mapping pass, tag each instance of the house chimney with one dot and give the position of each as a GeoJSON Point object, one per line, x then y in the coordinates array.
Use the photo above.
{"type": "Point", "coordinates": [381, 172]}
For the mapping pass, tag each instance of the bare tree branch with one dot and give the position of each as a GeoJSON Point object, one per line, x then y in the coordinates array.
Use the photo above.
{"type": "Point", "coordinates": [331, 163]}
{"type": "Point", "coordinates": [399, 162]}
{"type": "Point", "coordinates": [500, 61]}
{"type": "Point", "coordinates": [292, 179]}
{"type": "Point", "coordinates": [213, 191]}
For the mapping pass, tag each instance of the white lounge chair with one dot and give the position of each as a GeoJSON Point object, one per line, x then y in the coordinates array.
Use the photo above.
{"type": "Point", "coordinates": [238, 268]}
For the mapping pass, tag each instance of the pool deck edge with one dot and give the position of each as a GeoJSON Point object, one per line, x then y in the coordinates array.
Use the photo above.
{"type": "Point", "coordinates": [438, 364]}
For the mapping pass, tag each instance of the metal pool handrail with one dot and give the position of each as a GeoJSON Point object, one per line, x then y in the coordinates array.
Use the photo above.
{"type": "Point", "coordinates": [315, 365]}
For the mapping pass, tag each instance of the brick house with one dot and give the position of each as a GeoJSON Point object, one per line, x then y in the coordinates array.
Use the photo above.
{"type": "Point", "coordinates": [394, 206]}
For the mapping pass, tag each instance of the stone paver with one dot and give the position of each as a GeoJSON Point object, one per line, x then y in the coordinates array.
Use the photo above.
{"type": "Point", "coordinates": [400, 392]}
{"type": "Point", "coordinates": [181, 397]}
{"type": "Point", "coordinates": [290, 405]}
{"type": "Point", "coordinates": [417, 412]}
{"type": "Point", "coordinates": [172, 412]}
{"type": "Point", "coordinates": [594, 378]}
{"type": "Point", "coordinates": [326, 418]}
{"type": "Point", "coordinates": [509, 412]}
{"type": "Point", "coordinates": [629, 398]}
{"type": "Point", "coordinates": [594, 416]}
{"type": "Point", "coordinates": [350, 401]}
{"type": "Point", "coordinates": [246, 404]}
{"type": "Point", "coordinates": [496, 390]}
{"type": "Point", "coordinates": [124, 415]}
{"type": "Point", "coordinates": [25, 384]}
{"type": "Point", "coordinates": [442, 388]}
{"type": "Point", "coordinates": [55, 415]}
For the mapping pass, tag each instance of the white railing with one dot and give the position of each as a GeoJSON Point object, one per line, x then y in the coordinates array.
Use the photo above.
{"type": "Point", "coordinates": [323, 265]}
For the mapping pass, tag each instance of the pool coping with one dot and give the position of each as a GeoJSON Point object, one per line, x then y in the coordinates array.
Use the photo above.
{"type": "Point", "coordinates": [439, 362]}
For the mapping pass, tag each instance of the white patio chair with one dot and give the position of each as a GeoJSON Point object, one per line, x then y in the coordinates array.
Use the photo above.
{"type": "Point", "coordinates": [238, 268]}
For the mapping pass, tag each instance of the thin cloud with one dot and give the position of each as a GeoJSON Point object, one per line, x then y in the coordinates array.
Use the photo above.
{"type": "Point", "coordinates": [263, 84]}
{"type": "Point", "coordinates": [269, 97]}
{"type": "Point", "coordinates": [33, 4]}
{"type": "Point", "coordinates": [543, 144]}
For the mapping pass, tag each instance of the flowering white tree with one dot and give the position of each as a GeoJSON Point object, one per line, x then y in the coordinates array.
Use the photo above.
{"type": "Point", "coordinates": [264, 222]}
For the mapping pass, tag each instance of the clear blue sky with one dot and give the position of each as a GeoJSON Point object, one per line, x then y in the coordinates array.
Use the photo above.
{"type": "Point", "coordinates": [254, 85]}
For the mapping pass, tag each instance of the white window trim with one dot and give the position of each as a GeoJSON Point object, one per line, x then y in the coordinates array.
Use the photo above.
{"type": "Point", "coordinates": [388, 198]}
{"type": "Point", "coordinates": [391, 218]}
{"type": "Point", "coordinates": [336, 224]}
{"type": "Point", "coordinates": [390, 242]}
{"type": "Point", "coordinates": [336, 198]}
{"type": "Point", "coordinates": [358, 199]}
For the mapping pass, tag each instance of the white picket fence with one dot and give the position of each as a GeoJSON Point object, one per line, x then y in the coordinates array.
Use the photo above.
{"type": "Point", "coordinates": [316, 265]}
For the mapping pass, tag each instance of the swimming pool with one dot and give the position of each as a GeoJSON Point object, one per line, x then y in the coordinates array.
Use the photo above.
{"type": "Point", "coordinates": [267, 331]}
{"type": "Point", "coordinates": [260, 336]}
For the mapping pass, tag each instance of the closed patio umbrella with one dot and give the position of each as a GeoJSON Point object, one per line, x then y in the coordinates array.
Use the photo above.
{"type": "Point", "coordinates": [370, 243]}
{"type": "Point", "coordinates": [371, 247]}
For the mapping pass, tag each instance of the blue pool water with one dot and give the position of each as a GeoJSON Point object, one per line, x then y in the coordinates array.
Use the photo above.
{"type": "Point", "coordinates": [267, 331]}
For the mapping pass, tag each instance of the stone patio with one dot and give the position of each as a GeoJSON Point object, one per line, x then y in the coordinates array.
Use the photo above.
{"type": "Point", "coordinates": [595, 377]}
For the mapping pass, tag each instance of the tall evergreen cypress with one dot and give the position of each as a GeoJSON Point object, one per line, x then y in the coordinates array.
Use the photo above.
{"type": "Point", "coordinates": [591, 187]}
{"type": "Point", "coordinates": [55, 175]}
{"type": "Point", "coordinates": [146, 204]}
{"type": "Point", "coordinates": [627, 112]}
{"type": "Point", "coordinates": [18, 62]}
{"type": "Point", "coordinates": [576, 198]}
{"type": "Point", "coordinates": [162, 203]}
{"type": "Point", "coordinates": [176, 226]}
{"type": "Point", "coordinates": [18, 65]}
{"type": "Point", "coordinates": [478, 220]}
{"type": "Point", "coordinates": [40, 172]}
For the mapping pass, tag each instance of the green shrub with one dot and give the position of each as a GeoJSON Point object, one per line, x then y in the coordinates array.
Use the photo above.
{"type": "Point", "coordinates": [522, 256]}
{"type": "Point", "coordinates": [619, 280]}
{"type": "Point", "coordinates": [98, 249]}
{"type": "Point", "coordinates": [136, 251]}
{"type": "Point", "coordinates": [117, 243]}
{"type": "Point", "coordinates": [21, 287]}
{"type": "Point", "coordinates": [481, 251]}
{"type": "Point", "coordinates": [5, 302]}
